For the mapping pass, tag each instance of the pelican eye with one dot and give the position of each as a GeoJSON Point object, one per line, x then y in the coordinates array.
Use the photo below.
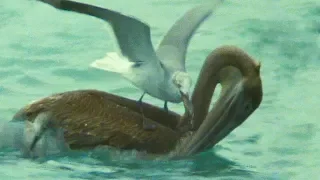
{"type": "Point", "coordinates": [248, 106]}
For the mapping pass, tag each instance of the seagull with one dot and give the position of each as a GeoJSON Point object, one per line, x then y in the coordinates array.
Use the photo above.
{"type": "Point", "coordinates": [160, 73]}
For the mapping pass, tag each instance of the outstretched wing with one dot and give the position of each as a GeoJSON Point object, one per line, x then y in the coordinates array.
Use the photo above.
{"type": "Point", "coordinates": [133, 36]}
{"type": "Point", "coordinates": [173, 47]}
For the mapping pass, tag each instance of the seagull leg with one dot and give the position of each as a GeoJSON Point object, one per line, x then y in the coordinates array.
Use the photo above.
{"type": "Point", "coordinates": [145, 123]}
{"type": "Point", "coordinates": [165, 107]}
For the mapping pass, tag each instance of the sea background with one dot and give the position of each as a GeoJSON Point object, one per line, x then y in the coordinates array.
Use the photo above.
{"type": "Point", "coordinates": [45, 51]}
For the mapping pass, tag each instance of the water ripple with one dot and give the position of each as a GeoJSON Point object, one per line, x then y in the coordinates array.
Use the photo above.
{"type": "Point", "coordinates": [45, 51]}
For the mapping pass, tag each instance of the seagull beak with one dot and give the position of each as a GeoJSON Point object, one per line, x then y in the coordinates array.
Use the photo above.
{"type": "Point", "coordinates": [187, 103]}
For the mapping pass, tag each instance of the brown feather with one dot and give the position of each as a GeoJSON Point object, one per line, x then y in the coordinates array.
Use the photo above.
{"type": "Point", "coordinates": [93, 118]}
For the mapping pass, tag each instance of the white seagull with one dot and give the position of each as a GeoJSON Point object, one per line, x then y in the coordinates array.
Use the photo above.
{"type": "Point", "coordinates": [161, 73]}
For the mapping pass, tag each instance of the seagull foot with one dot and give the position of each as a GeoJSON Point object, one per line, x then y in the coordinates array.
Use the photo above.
{"type": "Point", "coordinates": [146, 124]}
{"type": "Point", "coordinates": [165, 107]}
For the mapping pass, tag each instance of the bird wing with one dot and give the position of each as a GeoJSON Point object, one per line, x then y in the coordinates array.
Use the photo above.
{"type": "Point", "coordinates": [172, 49]}
{"type": "Point", "coordinates": [133, 36]}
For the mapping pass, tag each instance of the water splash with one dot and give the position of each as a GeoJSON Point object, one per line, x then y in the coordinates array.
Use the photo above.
{"type": "Point", "coordinates": [19, 135]}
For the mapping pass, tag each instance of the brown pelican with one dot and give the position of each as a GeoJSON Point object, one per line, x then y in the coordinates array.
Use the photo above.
{"type": "Point", "coordinates": [91, 118]}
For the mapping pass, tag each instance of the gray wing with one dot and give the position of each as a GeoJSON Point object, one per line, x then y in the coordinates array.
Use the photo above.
{"type": "Point", "coordinates": [173, 47]}
{"type": "Point", "coordinates": [133, 36]}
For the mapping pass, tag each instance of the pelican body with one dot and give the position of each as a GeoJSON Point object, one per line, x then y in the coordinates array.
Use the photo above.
{"type": "Point", "coordinates": [92, 118]}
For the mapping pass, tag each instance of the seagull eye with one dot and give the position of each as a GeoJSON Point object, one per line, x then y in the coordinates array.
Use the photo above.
{"type": "Point", "coordinates": [177, 83]}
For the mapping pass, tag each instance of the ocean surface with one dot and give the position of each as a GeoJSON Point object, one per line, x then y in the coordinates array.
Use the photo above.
{"type": "Point", "coordinates": [45, 51]}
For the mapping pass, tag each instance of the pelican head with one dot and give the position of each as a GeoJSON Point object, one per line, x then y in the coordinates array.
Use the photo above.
{"type": "Point", "coordinates": [235, 105]}
{"type": "Point", "coordinates": [184, 82]}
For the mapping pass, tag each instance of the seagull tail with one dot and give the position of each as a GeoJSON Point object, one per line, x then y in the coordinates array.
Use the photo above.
{"type": "Point", "coordinates": [113, 62]}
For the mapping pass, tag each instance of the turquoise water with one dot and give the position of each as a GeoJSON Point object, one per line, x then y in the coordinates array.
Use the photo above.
{"type": "Point", "coordinates": [44, 51]}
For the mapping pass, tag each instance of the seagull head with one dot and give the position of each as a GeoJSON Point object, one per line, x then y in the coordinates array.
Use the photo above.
{"type": "Point", "coordinates": [183, 82]}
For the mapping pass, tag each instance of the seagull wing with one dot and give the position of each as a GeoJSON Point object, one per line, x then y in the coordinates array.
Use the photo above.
{"type": "Point", "coordinates": [133, 36]}
{"type": "Point", "coordinates": [172, 49]}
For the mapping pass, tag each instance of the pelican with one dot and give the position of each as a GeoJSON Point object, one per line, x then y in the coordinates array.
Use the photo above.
{"type": "Point", "coordinates": [91, 118]}
{"type": "Point", "coordinates": [162, 73]}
